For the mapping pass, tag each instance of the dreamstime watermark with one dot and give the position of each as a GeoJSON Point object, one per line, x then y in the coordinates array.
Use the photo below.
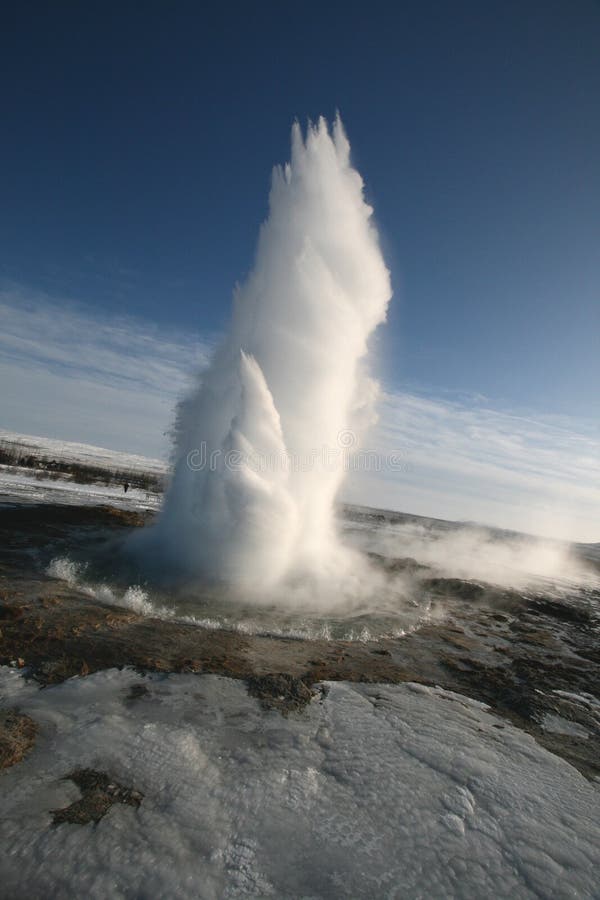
{"type": "Point", "coordinates": [345, 456]}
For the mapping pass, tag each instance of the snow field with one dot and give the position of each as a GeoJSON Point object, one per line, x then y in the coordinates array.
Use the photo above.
{"type": "Point", "coordinates": [372, 792]}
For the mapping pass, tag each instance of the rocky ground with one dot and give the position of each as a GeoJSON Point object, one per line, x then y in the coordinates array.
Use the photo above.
{"type": "Point", "coordinates": [534, 659]}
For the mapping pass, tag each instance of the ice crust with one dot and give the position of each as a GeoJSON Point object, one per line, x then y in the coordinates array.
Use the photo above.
{"type": "Point", "coordinates": [372, 792]}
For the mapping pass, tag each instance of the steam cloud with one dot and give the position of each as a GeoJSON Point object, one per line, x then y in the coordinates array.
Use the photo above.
{"type": "Point", "coordinates": [288, 380]}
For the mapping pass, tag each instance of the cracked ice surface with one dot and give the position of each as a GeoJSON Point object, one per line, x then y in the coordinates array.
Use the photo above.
{"type": "Point", "coordinates": [374, 791]}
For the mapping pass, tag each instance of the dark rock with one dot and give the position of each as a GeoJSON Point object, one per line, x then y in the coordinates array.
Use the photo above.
{"type": "Point", "coordinates": [98, 793]}
{"type": "Point", "coordinates": [564, 612]}
{"type": "Point", "coordinates": [397, 564]}
{"type": "Point", "coordinates": [11, 612]}
{"type": "Point", "coordinates": [456, 587]}
{"type": "Point", "coordinates": [474, 592]}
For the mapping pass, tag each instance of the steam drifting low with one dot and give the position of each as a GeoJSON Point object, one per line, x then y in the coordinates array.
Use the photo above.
{"type": "Point", "coordinates": [289, 381]}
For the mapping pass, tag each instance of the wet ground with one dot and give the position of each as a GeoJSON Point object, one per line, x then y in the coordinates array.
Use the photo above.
{"type": "Point", "coordinates": [534, 657]}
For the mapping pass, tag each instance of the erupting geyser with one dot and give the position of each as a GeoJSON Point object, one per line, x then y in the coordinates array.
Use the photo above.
{"type": "Point", "coordinates": [259, 445]}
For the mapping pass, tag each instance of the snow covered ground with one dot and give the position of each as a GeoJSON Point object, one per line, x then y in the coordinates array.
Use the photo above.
{"type": "Point", "coordinates": [21, 486]}
{"type": "Point", "coordinates": [24, 485]}
{"type": "Point", "coordinates": [84, 454]}
{"type": "Point", "coordinates": [372, 792]}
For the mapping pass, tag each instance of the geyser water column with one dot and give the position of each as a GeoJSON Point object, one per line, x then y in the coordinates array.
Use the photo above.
{"type": "Point", "coordinates": [259, 445]}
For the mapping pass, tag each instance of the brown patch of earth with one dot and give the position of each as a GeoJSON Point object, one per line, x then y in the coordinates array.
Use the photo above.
{"type": "Point", "coordinates": [17, 736]}
{"type": "Point", "coordinates": [280, 691]}
{"type": "Point", "coordinates": [98, 793]}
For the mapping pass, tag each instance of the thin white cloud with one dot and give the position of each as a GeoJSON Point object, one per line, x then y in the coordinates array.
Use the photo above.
{"type": "Point", "coordinates": [469, 461]}
{"type": "Point", "coordinates": [68, 372]}
{"type": "Point", "coordinates": [71, 338]}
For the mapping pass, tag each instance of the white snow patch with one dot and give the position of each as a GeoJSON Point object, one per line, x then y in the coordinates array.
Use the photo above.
{"type": "Point", "coordinates": [376, 791]}
{"type": "Point", "coordinates": [558, 725]}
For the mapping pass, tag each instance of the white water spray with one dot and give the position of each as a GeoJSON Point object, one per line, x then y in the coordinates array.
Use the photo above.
{"type": "Point", "coordinates": [260, 443]}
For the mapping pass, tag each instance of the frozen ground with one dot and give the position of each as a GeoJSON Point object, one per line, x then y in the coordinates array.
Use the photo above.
{"type": "Point", "coordinates": [30, 485]}
{"type": "Point", "coordinates": [373, 791]}
{"type": "Point", "coordinates": [84, 454]}
{"type": "Point", "coordinates": [19, 486]}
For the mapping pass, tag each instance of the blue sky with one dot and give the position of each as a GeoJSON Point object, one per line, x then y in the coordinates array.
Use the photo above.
{"type": "Point", "coordinates": [137, 146]}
